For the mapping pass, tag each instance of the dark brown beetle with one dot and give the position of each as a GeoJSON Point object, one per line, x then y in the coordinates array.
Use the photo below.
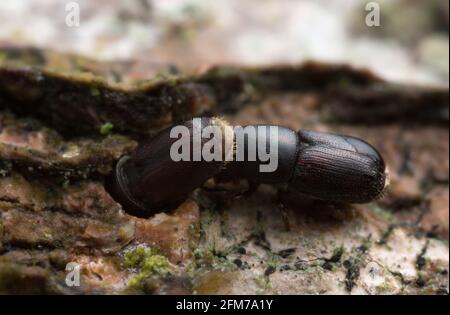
{"type": "Point", "coordinates": [323, 166]}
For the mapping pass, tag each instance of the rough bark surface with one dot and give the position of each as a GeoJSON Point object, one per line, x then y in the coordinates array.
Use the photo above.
{"type": "Point", "coordinates": [65, 121]}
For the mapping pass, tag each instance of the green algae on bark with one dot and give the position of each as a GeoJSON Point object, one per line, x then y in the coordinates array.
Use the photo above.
{"type": "Point", "coordinates": [147, 262]}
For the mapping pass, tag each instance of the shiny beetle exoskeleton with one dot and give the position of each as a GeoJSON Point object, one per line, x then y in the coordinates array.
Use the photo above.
{"type": "Point", "coordinates": [324, 166]}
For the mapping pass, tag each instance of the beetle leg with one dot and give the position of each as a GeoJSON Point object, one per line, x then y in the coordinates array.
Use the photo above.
{"type": "Point", "coordinates": [283, 210]}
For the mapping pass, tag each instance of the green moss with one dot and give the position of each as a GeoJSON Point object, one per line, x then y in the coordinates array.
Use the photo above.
{"type": "Point", "coordinates": [420, 279]}
{"type": "Point", "coordinates": [381, 212]}
{"type": "Point", "coordinates": [193, 245]}
{"type": "Point", "coordinates": [106, 128]}
{"type": "Point", "coordinates": [155, 264]}
{"type": "Point", "coordinates": [208, 258]}
{"type": "Point", "coordinates": [273, 261]}
{"type": "Point", "coordinates": [225, 230]}
{"type": "Point", "coordinates": [190, 269]}
{"type": "Point", "coordinates": [223, 264]}
{"type": "Point", "coordinates": [385, 287]}
{"type": "Point", "coordinates": [194, 233]}
{"type": "Point", "coordinates": [264, 283]}
{"type": "Point", "coordinates": [5, 168]}
{"type": "Point", "coordinates": [332, 262]}
{"type": "Point", "coordinates": [337, 254]}
{"type": "Point", "coordinates": [146, 259]}
{"type": "Point", "coordinates": [365, 246]}
{"type": "Point", "coordinates": [352, 265]}
{"type": "Point", "coordinates": [148, 262]}
{"type": "Point", "coordinates": [135, 282]}
{"type": "Point", "coordinates": [95, 92]}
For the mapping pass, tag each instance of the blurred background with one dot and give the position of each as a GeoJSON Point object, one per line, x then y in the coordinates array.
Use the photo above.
{"type": "Point", "coordinates": [411, 44]}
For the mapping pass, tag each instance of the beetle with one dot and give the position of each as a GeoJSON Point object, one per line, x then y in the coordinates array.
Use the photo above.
{"type": "Point", "coordinates": [324, 166]}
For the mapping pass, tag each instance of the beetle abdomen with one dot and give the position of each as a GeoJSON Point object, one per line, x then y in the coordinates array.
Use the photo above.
{"type": "Point", "coordinates": [335, 174]}
{"type": "Point", "coordinates": [152, 179]}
